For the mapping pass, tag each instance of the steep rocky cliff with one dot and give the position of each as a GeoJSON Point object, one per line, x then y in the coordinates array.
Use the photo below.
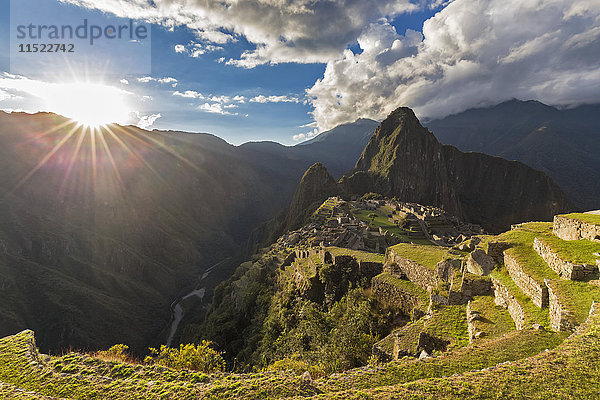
{"type": "Point", "coordinates": [405, 160]}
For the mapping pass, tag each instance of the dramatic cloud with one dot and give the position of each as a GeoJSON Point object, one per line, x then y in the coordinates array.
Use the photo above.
{"type": "Point", "coordinates": [304, 31]}
{"type": "Point", "coordinates": [472, 53]}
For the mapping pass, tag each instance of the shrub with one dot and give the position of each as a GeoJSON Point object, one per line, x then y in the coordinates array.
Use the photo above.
{"type": "Point", "coordinates": [199, 357]}
{"type": "Point", "coordinates": [117, 353]}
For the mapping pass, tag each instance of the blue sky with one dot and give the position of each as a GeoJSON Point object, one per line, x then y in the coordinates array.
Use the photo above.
{"type": "Point", "coordinates": [205, 74]}
{"type": "Point", "coordinates": [472, 53]}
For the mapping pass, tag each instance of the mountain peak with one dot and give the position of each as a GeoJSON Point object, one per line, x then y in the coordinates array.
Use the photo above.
{"type": "Point", "coordinates": [403, 159]}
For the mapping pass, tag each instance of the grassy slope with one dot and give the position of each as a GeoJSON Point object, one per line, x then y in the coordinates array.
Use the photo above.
{"type": "Point", "coordinates": [496, 319]}
{"type": "Point", "coordinates": [82, 377]}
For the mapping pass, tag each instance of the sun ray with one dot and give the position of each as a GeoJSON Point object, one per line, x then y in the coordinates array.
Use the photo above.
{"type": "Point", "coordinates": [72, 161]}
{"type": "Point", "coordinates": [38, 136]}
{"type": "Point", "coordinates": [110, 156]}
{"type": "Point", "coordinates": [131, 152]}
{"type": "Point", "coordinates": [44, 160]}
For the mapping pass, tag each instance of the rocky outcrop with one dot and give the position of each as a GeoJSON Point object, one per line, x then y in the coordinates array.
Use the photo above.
{"type": "Point", "coordinates": [564, 269]}
{"type": "Point", "coordinates": [538, 292]}
{"type": "Point", "coordinates": [574, 229]}
{"type": "Point", "coordinates": [504, 298]}
{"type": "Point", "coordinates": [403, 159]}
{"type": "Point", "coordinates": [479, 263]}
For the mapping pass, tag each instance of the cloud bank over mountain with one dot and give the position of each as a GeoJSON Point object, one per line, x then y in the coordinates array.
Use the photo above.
{"type": "Point", "coordinates": [473, 53]}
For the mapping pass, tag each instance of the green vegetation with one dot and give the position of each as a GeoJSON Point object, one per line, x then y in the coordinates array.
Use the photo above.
{"type": "Point", "coordinates": [593, 219]}
{"type": "Point", "coordinates": [575, 251]}
{"type": "Point", "coordinates": [533, 314]}
{"type": "Point", "coordinates": [495, 320]}
{"type": "Point", "coordinates": [426, 255]}
{"type": "Point", "coordinates": [199, 357]}
{"type": "Point", "coordinates": [329, 340]}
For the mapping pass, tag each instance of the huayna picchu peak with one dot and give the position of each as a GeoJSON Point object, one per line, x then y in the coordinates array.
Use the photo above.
{"type": "Point", "coordinates": [404, 159]}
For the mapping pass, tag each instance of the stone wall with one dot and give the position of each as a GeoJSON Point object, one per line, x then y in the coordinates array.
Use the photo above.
{"type": "Point", "coordinates": [425, 277]}
{"type": "Point", "coordinates": [538, 292]}
{"type": "Point", "coordinates": [390, 293]}
{"type": "Point", "coordinates": [504, 298]}
{"type": "Point", "coordinates": [561, 319]}
{"type": "Point", "coordinates": [564, 269]}
{"type": "Point", "coordinates": [572, 229]}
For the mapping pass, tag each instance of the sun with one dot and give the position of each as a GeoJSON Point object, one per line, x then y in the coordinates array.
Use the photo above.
{"type": "Point", "coordinates": [89, 104]}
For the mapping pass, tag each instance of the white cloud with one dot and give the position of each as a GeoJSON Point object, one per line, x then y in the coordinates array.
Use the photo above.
{"type": "Point", "coordinates": [472, 53]}
{"type": "Point", "coordinates": [304, 31]}
{"type": "Point", "coordinates": [167, 80]}
{"type": "Point", "coordinates": [303, 136]}
{"type": "Point", "coordinates": [195, 50]}
{"type": "Point", "coordinates": [124, 81]}
{"type": "Point", "coordinates": [146, 121]}
{"type": "Point", "coordinates": [215, 108]}
{"type": "Point", "coordinates": [190, 94]}
{"type": "Point", "coordinates": [274, 99]}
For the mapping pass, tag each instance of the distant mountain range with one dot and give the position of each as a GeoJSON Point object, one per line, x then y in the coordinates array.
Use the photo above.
{"type": "Point", "coordinates": [565, 144]}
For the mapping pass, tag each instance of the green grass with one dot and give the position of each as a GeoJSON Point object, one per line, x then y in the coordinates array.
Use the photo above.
{"type": "Point", "coordinates": [513, 346]}
{"type": "Point", "coordinates": [593, 219]}
{"type": "Point", "coordinates": [522, 241]}
{"type": "Point", "coordinates": [447, 322]}
{"type": "Point", "coordinates": [381, 221]}
{"type": "Point", "coordinates": [91, 378]}
{"type": "Point", "coordinates": [359, 255]}
{"type": "Point", "coordinates": [496, 319]}
{"type": "Point", "coordinates": [576, 296]}
{"type": "Point", "coordinates": [575, 251]}
{"type": "Point", "coordinates": [426, 255]}
{"type": "Point", "coordinates": [533, 314]}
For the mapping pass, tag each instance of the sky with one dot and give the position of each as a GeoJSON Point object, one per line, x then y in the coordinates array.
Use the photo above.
{"type": "Point", "coordinates": [285, 70]}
